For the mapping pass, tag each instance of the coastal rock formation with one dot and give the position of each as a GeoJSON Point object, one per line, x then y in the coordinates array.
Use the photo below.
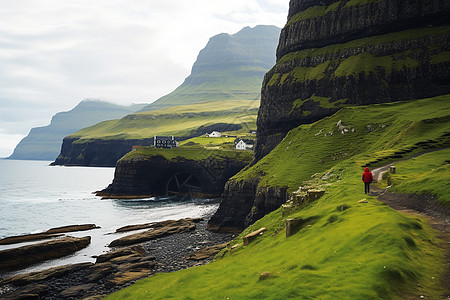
{"type": "Point", "coordinates": [171, 227]}
{"type": "Point", "coordinates": [76, 151]}
{"type": "Point", "coordinates": [51, 233]}
{"type": "Point", "coordinates": [203, 175]}
{"type": "Point", "coordinates": [12, 259]}
{"type": "Point", "coordinates": [334, 54]}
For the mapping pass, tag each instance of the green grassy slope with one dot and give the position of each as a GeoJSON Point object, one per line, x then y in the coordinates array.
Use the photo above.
{"type": "Point", "coordinates": [425, 174]}
{"type": "Point", "coordinates": [178, 121]}
{"type": "Point", "coordinates": [346, 249]}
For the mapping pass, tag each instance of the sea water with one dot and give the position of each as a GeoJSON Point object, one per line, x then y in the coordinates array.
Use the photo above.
{"type": "Point", "coordinates": [35, 197]}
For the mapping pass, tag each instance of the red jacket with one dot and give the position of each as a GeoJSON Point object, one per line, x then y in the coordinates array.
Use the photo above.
{"type": "Point", "coordinates": [367, 176]}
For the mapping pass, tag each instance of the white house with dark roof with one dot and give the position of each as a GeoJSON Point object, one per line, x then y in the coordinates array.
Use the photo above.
{"type": "Point", "coordinates": [214, 134]}
{"type": "Point", "coordinates": [245, 144]}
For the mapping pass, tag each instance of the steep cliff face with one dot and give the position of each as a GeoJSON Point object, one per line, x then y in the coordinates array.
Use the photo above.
{"type": "Point", "coordinates": [161, 172]}
{"type": "Point", "coordinates": [95, 153]}
{"type": "Point", "coordinates": [337, 53]}
{"type": "Point", "coordinates": [334, 54]}
{"type": "Point", "coordinates": [230, 67]}
{"type": "Point", "coordinates": [76, 151]}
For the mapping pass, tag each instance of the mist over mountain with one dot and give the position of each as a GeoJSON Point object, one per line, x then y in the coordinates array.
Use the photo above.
{"type": "Point", "coordinates": [230, 67]}
{"type": "Point", "coordinates": [44, 143]}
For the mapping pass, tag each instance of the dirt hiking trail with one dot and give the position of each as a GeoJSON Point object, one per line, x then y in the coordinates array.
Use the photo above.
{"type": "Point", "coordinates": [425, 206]}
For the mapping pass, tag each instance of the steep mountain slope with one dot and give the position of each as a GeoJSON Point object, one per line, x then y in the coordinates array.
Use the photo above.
{"type": "Point", "coordinates": [44, 143]}
{"type": "Point", "coordinates": [230, 67]}
{"type": "Point", "coordinates": [337, 54]}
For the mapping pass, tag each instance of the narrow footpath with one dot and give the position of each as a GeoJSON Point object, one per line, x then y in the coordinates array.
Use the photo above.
{"type": "Point", "coordinates": [425, 206]}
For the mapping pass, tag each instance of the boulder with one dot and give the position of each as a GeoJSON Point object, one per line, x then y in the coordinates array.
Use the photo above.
{"type": "Point", "coordinates": [17, 258]}
{"type": "Point", "coordinates": [206, 252]}
{"type": "Point", "coordinates": [35, 291]}
{"type": "Point", "coordinates": [183, 225]}
{"type": "Point", "coordinates": [252, 236]}
{"type": "Point", "coordinates": [155, 224]}
{"type": "Point", "coordinates": [293, 226]}
{"type": "Point", "coordinates": [76, 291]}
{"type": "Point", "coordinates": [27, 238]}
{"type": "Point", "coordinates": [72, 228]}
{"type": "Point", "coordinates": [57, 272]}
{"type": "Point", "coordinates": [134, 250]}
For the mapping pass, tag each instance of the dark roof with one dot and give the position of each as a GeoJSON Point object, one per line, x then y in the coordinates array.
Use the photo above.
{"type": "Point", "coordinates": [248, 141]}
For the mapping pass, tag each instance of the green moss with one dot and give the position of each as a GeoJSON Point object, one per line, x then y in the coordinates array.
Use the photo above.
{"type": "Point", "coordinates": [411, 34]}
{"type": "Point", "coordinates": [313, 12]}
{"type": "Point", "coordinates": [274, 79]}
{"type": "Point", "coordinates": [360, 2]}
{"type": "Point", "coordinates": [302, 74]}
{"type": "Point", "coordinates": [366, 63]}
{"type": "Point", "coordinates": [426, 174]}
{"type": "Point", "coordinates": [440, 58]}
{"type": "Point", "coordinates": [322, 101]}
{"type": "Point", "coordinates": [191, 154]}
{"type": "Point", "coordinates": [309, 13]}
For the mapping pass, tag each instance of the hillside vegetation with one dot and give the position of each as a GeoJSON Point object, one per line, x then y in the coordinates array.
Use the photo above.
{"type": "Point", "coordinates": [346, 248]}
{"type": "Point", "coordinates": [178, 121]}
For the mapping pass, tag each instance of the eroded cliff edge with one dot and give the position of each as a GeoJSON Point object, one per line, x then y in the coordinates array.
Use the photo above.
{"type": "Point", "coordinates": [334, 54]}
{"type": "Point", "coordinates": [199, 173]}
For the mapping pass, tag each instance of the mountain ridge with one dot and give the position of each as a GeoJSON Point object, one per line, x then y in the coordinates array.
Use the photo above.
{"type": "Point", "coordinates": [230, 67]}
{"type": "Point", "coordinates": [44, 143]}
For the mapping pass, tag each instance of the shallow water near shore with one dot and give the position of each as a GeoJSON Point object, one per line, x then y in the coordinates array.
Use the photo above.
{"type": "Point", "coordinates": [35, 197]}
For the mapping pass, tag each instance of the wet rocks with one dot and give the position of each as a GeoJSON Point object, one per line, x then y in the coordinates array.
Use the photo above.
{"type": "Point", "coordinates": [119, 268]}
{"type": "Point", "coordinates": [17, 258]}
{"type": "Point", "coordinates": [51, 233]}
{"type": "Point", "coordinates": [206, 252]}
{"type": "Point", "coordinates": [170, 227]}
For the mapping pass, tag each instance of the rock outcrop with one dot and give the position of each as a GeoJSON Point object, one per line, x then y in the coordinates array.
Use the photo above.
{"type": "Point", "coordinates": [170, 227]}
{"type": "Point", "coordinates": [334, 54]}
{"type": "Point", "coordinates": [12, 259]}
{"type": "Point", "coordinates": [155, 175]}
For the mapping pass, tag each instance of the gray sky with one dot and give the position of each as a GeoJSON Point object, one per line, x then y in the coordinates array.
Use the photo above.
{"type": "Point", "coordinates": [55, 53]}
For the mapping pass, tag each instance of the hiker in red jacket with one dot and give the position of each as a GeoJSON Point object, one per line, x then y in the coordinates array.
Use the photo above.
{"type": "Point", "coordinates": [367, 178]}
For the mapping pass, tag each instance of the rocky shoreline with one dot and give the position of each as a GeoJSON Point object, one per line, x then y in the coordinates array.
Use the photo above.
{"type": "Point", "coordinates": [174, 250]}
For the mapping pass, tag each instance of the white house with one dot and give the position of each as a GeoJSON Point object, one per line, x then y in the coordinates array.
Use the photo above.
{"type": "Point", "coordinates": [214, 134]}
{"type": "Point", "coordinates": [245, 145]}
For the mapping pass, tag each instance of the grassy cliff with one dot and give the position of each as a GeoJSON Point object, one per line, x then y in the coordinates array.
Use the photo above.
{"type": "Point", "coordinates": [346, 249]}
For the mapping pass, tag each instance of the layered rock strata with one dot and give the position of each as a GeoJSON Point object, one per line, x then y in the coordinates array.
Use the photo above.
{"type": "Point", "coordinates": [334, 54]}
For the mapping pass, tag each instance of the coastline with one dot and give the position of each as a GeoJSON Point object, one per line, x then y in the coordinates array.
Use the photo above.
{"type": "Point", "coordinates": [163, 254]}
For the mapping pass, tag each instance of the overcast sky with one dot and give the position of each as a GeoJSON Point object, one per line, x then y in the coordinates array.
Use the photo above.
{"type": "Point", "coordinates": [55, 53]}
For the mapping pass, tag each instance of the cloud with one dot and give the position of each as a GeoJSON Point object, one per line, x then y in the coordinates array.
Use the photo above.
{"type": "Point", "coordinates": [55, 53]}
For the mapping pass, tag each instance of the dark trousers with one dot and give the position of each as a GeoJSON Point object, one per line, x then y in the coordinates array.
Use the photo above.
{"type": "Point", "coordinates": [366, 187]}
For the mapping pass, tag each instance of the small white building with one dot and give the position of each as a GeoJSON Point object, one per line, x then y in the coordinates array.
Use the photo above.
{"type": "Point", "coordinates": [214, 134]}
{"type": "Point", "coordinates": [245, 145]}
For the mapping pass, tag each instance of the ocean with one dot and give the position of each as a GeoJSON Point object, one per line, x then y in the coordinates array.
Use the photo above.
{"type": "Point", "coordinates": [35, 197]}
